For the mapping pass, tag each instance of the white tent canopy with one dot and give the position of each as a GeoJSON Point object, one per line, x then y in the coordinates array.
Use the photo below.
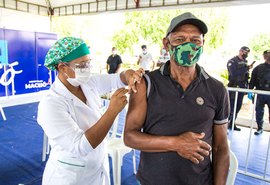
{"type": "Point", "coordinates": [78, 7]}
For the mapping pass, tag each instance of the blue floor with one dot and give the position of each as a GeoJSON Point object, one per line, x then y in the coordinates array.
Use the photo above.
{"type": "Point", "coordinates": [21, 148]}
{"type": "Point", "coordinates": [257, 155]}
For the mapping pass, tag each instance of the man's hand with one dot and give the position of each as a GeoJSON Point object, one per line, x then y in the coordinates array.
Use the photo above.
{"type": "Point", "coordinates": [191, 146]}
{"type": "Point", "coordinates": [251, 65]}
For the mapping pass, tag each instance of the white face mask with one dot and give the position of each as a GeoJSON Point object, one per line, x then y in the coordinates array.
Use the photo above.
{"type": "Point", "coordinates": [163, 52]}
{"type": "Point", "coordinates": [82, 76]}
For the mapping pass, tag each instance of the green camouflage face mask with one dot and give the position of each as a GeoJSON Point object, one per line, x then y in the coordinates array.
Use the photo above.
{"type": "Point", "coordinates": [186, 54]}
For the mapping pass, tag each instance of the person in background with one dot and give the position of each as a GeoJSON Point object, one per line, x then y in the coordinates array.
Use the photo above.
{"type": "Point", "coordinates": [164, 57]}
{"type": "Point", "coordinates": [238, 70]}
{"type": "Point", "coordinates": [113, 62]}
{"type": "Point", "coordinates": [260, 80]}
{"type": "Point", "coordinates": [179, 115]}
{"type": "Point", "coordinates": [70, 115]}
{"type": "Point", "coordinates": [145, 60]}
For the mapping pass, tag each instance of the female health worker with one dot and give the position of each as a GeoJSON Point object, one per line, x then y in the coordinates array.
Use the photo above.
{"type": "Point", "coordinates": [70, 115]}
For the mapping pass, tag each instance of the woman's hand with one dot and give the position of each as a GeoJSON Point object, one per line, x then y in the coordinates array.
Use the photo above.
{"type": "Point", "coordinates": [118, 101]}
{"type": "Point", "coordinates": [133, 77]}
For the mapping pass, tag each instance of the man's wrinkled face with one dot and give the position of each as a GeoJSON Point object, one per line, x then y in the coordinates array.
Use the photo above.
{"type": "Point", "coordinates": [186, 33]}
{"type": "Point", "coordinates": [185, 44]}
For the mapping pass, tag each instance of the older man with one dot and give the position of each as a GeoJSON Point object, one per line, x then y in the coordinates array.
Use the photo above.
{"type": "Point", "coordinates": [179, 116]}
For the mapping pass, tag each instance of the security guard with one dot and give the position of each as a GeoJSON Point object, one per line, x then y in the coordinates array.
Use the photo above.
{"type": "Point", "coordinates": [260, 79]}
{"type": "Point", "coordinates": [238, 70]}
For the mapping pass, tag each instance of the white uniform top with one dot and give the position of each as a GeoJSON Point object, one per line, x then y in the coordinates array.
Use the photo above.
{"type": "Point", "coordinates": [65, 118]}
{"type": "Point", "coordinates": [146, 61]}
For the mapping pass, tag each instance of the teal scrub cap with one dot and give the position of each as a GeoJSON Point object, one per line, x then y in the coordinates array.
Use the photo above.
{"type": "Point", "coordinates": [65, 50]}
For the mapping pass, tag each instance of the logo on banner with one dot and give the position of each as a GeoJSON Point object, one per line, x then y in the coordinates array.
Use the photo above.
{"type": "Point", "coordinates": [36, 84]}
{"type": "Point", "coordinates": [10, 72]}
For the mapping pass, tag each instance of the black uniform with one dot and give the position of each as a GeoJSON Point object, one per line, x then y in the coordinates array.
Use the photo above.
{"type": "Point", "coordinates": [260, 79]}
{"type": "Point", "coordinates": [238, 77]}
{"type": "Point", "coordinates": [113, 61]}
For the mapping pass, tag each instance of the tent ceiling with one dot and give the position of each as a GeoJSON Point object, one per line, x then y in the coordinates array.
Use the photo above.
{"type": "Point", "coordinates": [78, 7]}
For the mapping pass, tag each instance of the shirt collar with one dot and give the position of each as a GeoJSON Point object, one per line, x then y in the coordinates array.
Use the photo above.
{"type": "Point", "coordinates": [60, 88]}
{"type": "Point", "coordinates": [202, 75]}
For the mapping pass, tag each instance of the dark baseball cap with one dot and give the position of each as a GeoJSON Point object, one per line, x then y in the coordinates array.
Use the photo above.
{"type": "Point", "coordinates": [187, 18]}
{"type": "Point", "coordinates": [245, 48]}
{"type": "Point", "coordinates": [266, 52]}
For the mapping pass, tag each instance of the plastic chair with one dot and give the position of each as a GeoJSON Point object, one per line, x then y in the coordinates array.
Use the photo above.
{"type": "Point", "coordinates": [117, 150]}
{"type": "Point", "coordinates": [233, 169]}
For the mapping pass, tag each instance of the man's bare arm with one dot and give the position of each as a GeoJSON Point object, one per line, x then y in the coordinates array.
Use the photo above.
{"type": "Point", "coordinates": [221, 154]}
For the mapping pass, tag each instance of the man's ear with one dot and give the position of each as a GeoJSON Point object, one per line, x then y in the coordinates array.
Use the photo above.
{"type": "Point", "coordinates": [166, 42]}
{"type": "Point", "coordinates": [203, 41]}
